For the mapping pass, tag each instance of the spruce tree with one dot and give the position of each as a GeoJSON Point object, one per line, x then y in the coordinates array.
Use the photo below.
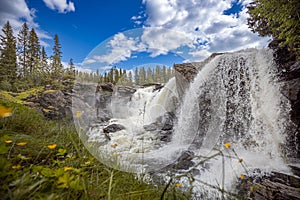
{"type": "Point", "coordinates": [117, 76]}
{"type": "Point", "coordinates": [142, 76]}
{"type": "Point", "coordinates": [136, 76]}
{"type": "Point", "coordinates": [23, 38]}
{"type": "Point", "coordinates": [57, 67]}
{"type": "Point", "coordinates": [149, 75]}
{"type": "Point", "coordinates": [8, 57]}
{"type": "Point", "coordinates": [130, 78]}
{"type": "Point", "coordinates": [44, 62]}
{"type": "Point", "coordinates": [34, 54]}
{"type": "Point", "coordinates": [71, 68]}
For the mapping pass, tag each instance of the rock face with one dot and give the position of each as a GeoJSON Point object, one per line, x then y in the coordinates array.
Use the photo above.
{"type": "Point", "coordinates": [273, 186]}
{"type": "Point", "coordinates": [54, 104]}
{"type": "Point", "coordinates": [290, 79]}
{"type": "Point", "coordinates": [186, 72]}
{"type": "Point", "coordinates": [103, 98]}
{"type": "Point", "coordinates": [113, 128]}
{"type": "Point", "coordinates": [162, 127]}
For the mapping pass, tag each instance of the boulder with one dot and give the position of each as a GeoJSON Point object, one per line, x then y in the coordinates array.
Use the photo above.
{"type": "Point", "coordinates": [124, 91]}
{"type": "Point", "coordinates": [54, 104]}
{"type": "Point", "coordinates": [112, 128]}
{"type": "Point", "coordinates": [275, 185]}
{"type": "Point", "coordinates": [184, 162]}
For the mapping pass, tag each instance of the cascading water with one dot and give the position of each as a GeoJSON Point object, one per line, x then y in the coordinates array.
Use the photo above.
{"type": "Point", "coordinates": [235, 100]}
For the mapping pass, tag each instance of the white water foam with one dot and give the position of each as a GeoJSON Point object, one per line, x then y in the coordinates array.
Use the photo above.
{"type": "Point", "coordinates": [235, 99]}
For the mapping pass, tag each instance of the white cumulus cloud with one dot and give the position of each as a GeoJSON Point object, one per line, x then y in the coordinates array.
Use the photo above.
{"type": "Point", "coordinates": [62, 6]}
{"type": "Point", "coordinates": [203, 22]}
{"type": "Point", "coordinates": [121, 49]}
{"type": "Point", "coordinates": [17, 12]}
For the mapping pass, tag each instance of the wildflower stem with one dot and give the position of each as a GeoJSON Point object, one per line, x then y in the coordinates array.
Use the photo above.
{"type": "Point", "coordinates": [166, 188]}
{"type": "Point", "coordinates": [110, 185]}
{"type": "Point", "coordinates": [9, 152]}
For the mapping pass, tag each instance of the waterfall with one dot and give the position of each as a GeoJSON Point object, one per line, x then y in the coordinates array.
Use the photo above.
{"type": "Point", "coordinates": [235, 99]}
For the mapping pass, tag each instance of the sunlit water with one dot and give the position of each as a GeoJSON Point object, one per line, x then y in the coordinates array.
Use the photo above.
{"type": "Point", "coordinates": [234, 99]}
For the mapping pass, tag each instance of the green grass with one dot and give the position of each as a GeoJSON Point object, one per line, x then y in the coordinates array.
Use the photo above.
{"type": "Point", "coordinates": [68, 171]}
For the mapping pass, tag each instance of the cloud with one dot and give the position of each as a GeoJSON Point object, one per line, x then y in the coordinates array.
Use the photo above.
{"type": "Point", "coordinates": [121, 49]}
{"type": "Point", "coordinates": [88, 61]}
{"type": "Point", "coordinates": [160, 41]}
{"type": "Point", "coordinates": [17, 12]}
{"type": "Point", "coordinates": [62, 6]}
{"type": "Point", "coordinates": [202, 23]}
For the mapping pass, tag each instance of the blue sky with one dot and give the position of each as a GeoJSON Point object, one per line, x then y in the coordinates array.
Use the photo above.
{"type": "Point", "coordinates": [95, 32]}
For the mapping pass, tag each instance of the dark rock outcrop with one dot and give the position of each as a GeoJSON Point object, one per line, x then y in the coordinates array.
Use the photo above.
{"type": "Point", "coordinates": [54, 104]}
{"type": "Point", "coordinates": [276, 185]}
{"type": "Point", "coordinates": [162, 127]}
{"type": "Point", "coordinates": [186, 72]}
{"type": "Point", "coordinates": [183, 162]}
{"type": "Point", "coordinates": [112, 128]}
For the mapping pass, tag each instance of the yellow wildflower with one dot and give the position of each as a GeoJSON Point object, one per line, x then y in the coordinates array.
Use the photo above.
{"type": "Point", "coordinates": [8, 141]}
{"type": "Point", "coordinates": [227, 145]}
{"type": "Point", "coordinates": [5, 112]}
{"type": "Point", "coordinates": [68, 169]}
{"type": "Point", "coordinates": [52, 146]}
{"type": "Point", "coordinates": [114, 145]}
{"type": "Point", "coordinates": [16, 167]}
{"type": "Point", "coordinates": [240, 160]}
{"type": "Point", "coordinates": [21, 143]}
{"type": "Point", "coordinates": [178, 185]}
{"type": "Point", "coordinates": [242, 176]}
{"type": "Point", "coordinates": [78, 113]}
{"type": "Point", "coordinates": [116, 155]}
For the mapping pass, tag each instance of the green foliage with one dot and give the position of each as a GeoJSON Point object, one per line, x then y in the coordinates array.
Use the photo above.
{"type": "Point", "coordinates": [57, 67]}
{"type": "Point", "coordinates": [41, 159]}
{"type": "Point", "coordinates": [277, 18]}
{"type": "Point", "coordinates": [8, 56]}
{"type": "Point", "coordinates": [23, 49]}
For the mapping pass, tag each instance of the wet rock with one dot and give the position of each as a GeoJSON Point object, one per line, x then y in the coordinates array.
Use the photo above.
{"type": "Point", "coordinates": [168, 121]}
{"type": "Point", "coordinates": [186, 72]}
{"type": "Point", "coordinates": [276, 185]}
{"type": "Point", "coordinates": [105, 87]}
{"type": "Point", "coordinates": [113, 128]}
{"type": "Point", "coordinates": [184, 161]}
{"type": "Point", "coordinates": [124, 91]}
{"type": "Point", "coordinates": [151, 127]}
{"type": "Point", "coordinates": [165, 136]}
{"type": "Point", "coordinates": [162, 128]}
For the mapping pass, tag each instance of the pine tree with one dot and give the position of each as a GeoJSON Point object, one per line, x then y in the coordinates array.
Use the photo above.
{"type": "Point", "coordinates": [34, 54]}
{"type": "Point", "coordinates": [8, 57]}
{"type": "Point", "coordinates": [277, 18]}
{"type": "Point", "coordinates": [130, 78]}
{"type": "Point", "coordinates": [142, 76]}
{"type": "Point", "coordinates": [44, 62]}
{"type": "Point", "coordinates": [71, 68]}
{"type": "Point", "coordinates": [164, 74]}
{"type": "Point", "coordinates": [57, 67]}
{"type": "Point", "coordinates": [117, 76]}
{"type": "Point", "coordinates": [149, 75]}
{"type": "Point", "coordinates": [136, 76]}
{"type": "Point", "coordinates": [23, 38]}
{"type": "Point", "coordinates": [158, 74]}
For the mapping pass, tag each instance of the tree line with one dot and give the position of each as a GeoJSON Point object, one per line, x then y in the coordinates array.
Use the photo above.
{"type": "Point", "coordinates": [139, 76]}
{"type": "Point", "coordinates": [25, 64]}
